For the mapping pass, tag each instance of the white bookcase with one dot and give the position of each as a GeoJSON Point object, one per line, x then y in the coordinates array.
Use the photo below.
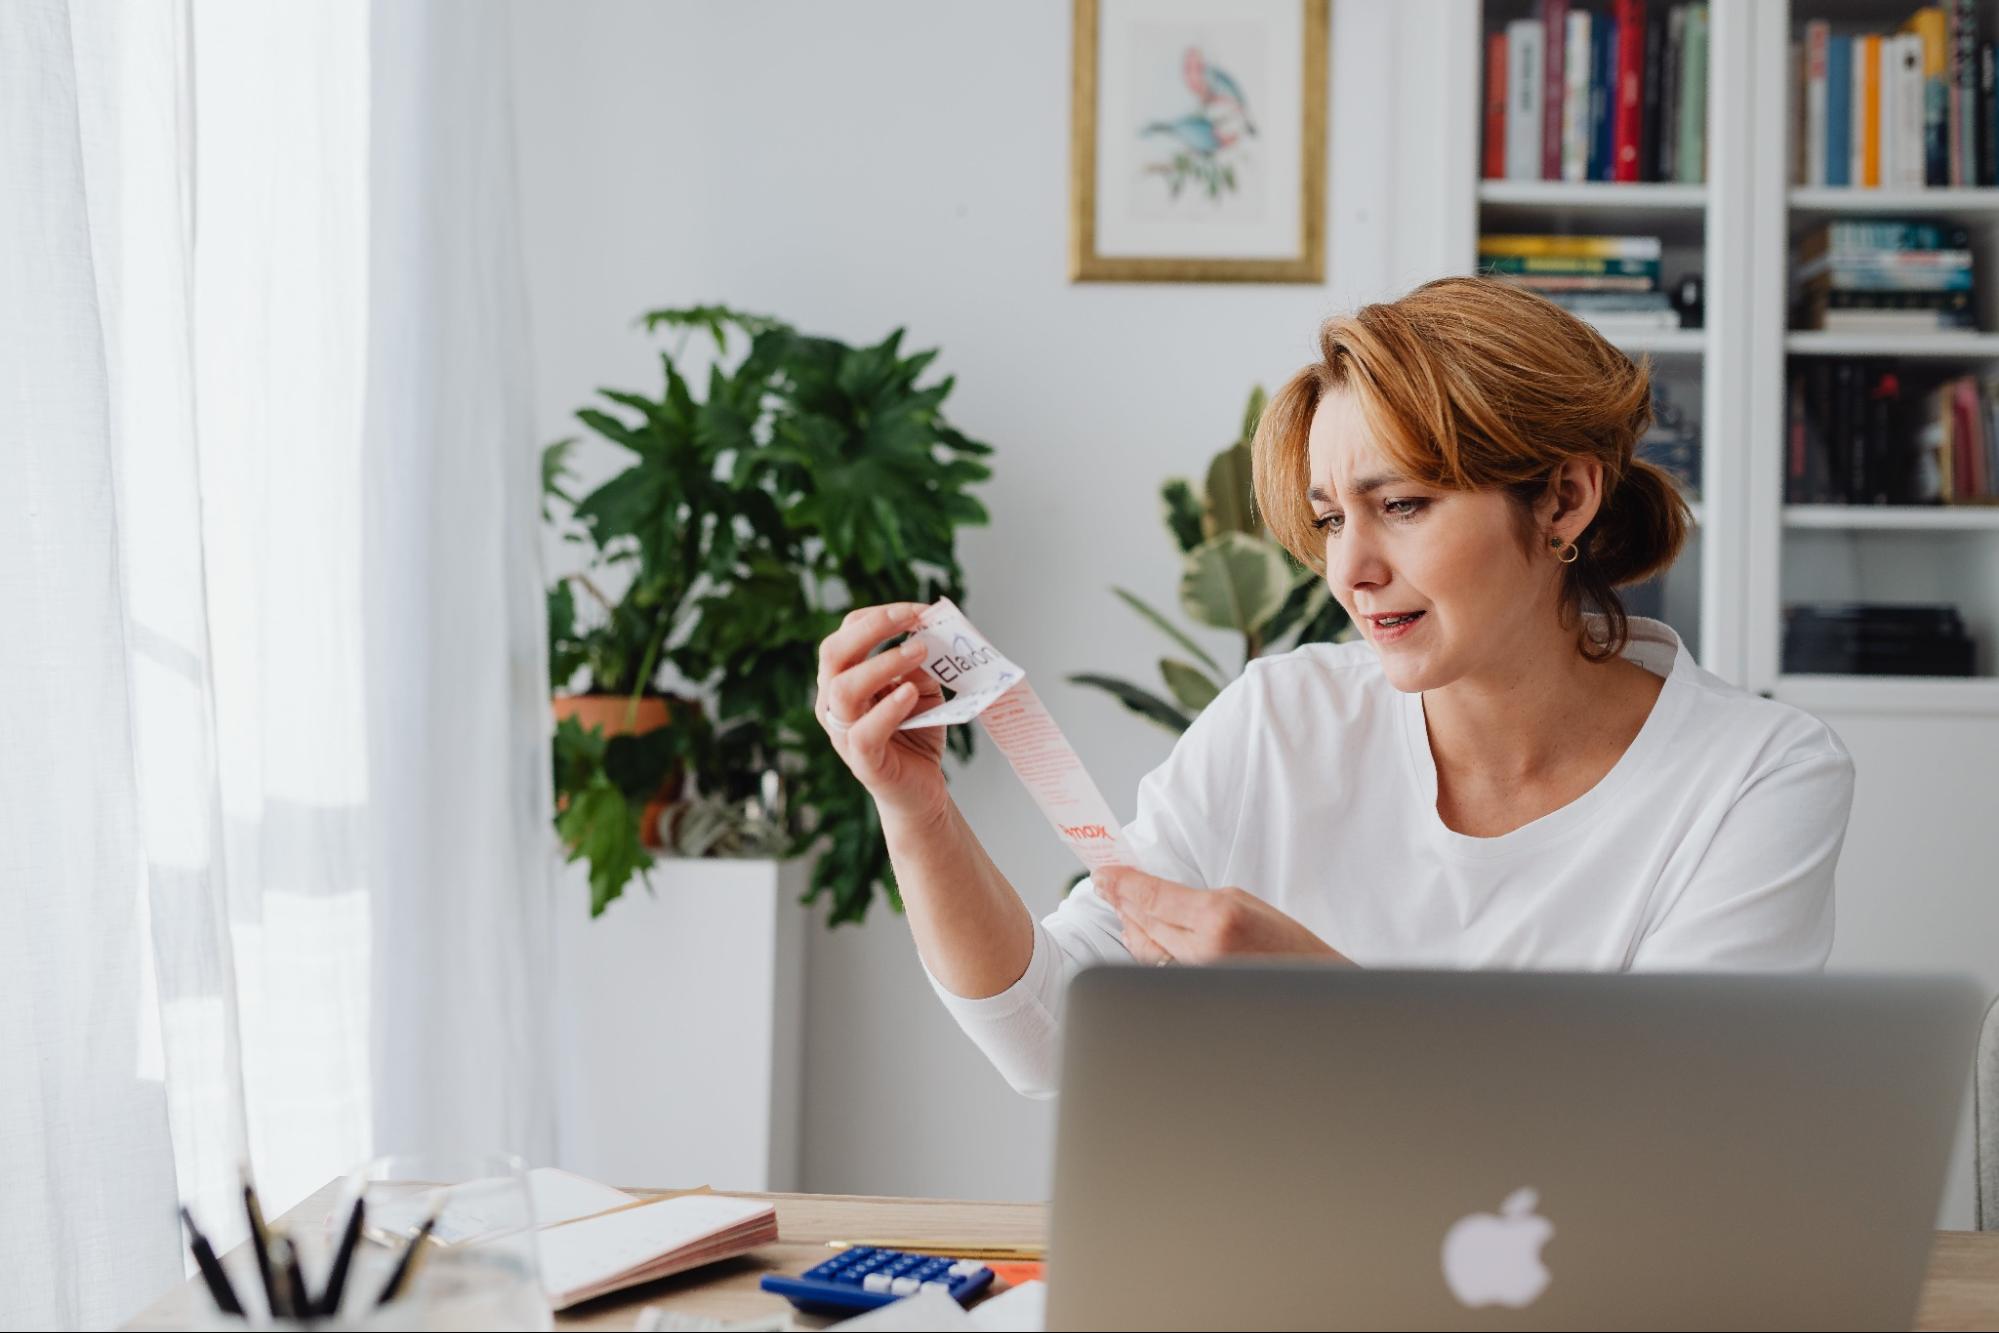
{"type": "Point", "coordinates": [1753, 554]}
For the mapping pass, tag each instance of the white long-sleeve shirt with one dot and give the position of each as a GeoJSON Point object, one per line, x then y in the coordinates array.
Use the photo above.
{"type": "Point", "coordinates": [1309, 782]}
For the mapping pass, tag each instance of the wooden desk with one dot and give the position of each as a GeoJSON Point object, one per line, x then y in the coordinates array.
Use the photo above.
{"type": "Point", "coordinates": [1961, 1290]}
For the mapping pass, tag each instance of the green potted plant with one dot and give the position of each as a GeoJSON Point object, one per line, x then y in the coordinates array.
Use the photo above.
{"type": "Point", "coordinates": [806, 478]}
{"type": "Point", "coordinates": [1233, 576]}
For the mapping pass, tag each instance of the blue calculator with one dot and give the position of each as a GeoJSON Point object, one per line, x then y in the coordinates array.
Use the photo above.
{"type": "Point", "coordinates": [864, 1277]}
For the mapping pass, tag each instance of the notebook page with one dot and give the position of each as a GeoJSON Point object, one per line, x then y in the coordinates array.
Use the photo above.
{"type": "Point", "coordinates": [584, 1254]}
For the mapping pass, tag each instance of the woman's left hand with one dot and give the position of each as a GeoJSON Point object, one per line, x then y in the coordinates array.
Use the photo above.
{"type": "Point", "coordinates": [1166, 922]}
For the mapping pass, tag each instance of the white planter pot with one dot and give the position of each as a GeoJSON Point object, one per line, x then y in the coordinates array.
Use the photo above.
{"type": "Point", "coordinates": [677, 1027]}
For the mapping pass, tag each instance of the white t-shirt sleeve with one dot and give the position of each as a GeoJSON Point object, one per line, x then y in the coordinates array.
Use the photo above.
{"type": "Point", "coordinates": [1762, 897]}
{"type": "Point", "coordinates": [1188, 811]}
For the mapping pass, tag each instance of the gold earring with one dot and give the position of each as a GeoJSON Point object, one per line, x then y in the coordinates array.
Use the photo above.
{"type": "Point", "coordinates": [1567, 557]}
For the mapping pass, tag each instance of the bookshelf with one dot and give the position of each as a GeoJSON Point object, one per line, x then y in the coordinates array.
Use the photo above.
{"type": "Point", "coordinates": [1885, 553]}
{"type": "Point", "coordinates": [1754, 553]}
{"type": "Point", "coordinates": [1701, 371]}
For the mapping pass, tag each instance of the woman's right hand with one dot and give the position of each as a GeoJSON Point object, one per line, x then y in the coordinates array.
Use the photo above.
{"type": "Point", "coordinates": [863, 699]}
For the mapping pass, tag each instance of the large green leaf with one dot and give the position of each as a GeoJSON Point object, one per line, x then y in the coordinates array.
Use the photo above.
{"type": "Point", "coordinates": [1234, 582]}
{"type": "Point", "coordinates": [1183, 512]}
{"type": "Point", "coordinates": [1231, 493]}
{"type": "Point", "coordinates": [1252, 414]}
{"type": "Point", "coordinates": [1172, 631]}
{"type": "Point", "coordinates": [1308, 596]}
{"type": "Point", "coordinates": [1193, 688]}
{"type": "Point", "coordinates": [1140, 701]}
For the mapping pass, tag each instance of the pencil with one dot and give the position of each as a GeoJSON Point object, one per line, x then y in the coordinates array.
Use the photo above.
{"type": "Point", "coordinates": [407, 1265]}
{"type": "Point", "coordinates": [219, 1289]}
{"type": "Point", "coordinates": [336, 1277]}
{"type": "Point", "coordinates": [260, 1242]}
{"type": "Point", "coordinates": [946, 1249]}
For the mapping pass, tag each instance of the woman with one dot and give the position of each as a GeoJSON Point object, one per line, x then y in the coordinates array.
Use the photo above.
{"type": "Point", "coordinates": [1490, 777]}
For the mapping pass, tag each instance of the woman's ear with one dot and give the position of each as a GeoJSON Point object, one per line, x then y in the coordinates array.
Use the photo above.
{"type": "Point", "coordinates": [1573, 497]}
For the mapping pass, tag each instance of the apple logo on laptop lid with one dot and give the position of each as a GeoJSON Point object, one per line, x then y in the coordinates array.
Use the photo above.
{"type": "Point", "coordinates": [1495, 1258]}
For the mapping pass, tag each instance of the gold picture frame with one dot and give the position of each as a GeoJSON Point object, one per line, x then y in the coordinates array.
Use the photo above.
{"type": "Point", "coordinates": [1086, 264]}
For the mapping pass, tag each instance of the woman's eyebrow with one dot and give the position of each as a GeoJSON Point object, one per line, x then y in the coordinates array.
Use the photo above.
{"type": "Point", "coordinates": [1365, 486]}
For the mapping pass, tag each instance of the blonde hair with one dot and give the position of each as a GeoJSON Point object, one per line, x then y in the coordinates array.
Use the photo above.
{"type": "Point", "coordinates": [1475, 384]}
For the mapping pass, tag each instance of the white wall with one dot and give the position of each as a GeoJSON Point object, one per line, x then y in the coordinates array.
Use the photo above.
{"type": "Point", "coordinates": [860, 166]}
{"type": "Point", "coordinates": [857, 166]}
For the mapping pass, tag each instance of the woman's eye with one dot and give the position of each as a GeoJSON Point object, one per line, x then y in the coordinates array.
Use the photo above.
{"type": "Point", "coordinates": [1404, 508]}
{"type": "Point", "coordinates": [1327, 522]}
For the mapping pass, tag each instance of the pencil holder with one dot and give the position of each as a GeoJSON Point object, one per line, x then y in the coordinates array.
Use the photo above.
{"type": "Point", "coordinates": [437, 1242]}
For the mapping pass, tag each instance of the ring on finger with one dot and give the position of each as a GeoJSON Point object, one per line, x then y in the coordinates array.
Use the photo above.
{"type": "Point", "coordinates": [834, 722]}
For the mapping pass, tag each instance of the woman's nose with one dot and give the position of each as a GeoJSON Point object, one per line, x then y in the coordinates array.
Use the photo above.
{"type": "Point", "coordinates": [1353, 560]}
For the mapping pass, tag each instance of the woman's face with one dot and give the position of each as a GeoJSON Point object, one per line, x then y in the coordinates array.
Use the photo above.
{"type": "Point", "coordinates": [1437, 580]}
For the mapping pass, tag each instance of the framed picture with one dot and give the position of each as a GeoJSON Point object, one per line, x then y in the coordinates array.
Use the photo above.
{"type": "Point", "coordinates": [1198, 142]}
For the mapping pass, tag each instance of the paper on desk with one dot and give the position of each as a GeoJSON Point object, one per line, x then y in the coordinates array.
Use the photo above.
{"type": "Point", "coordinates": [1021, 1309]}
{"type": "Point", "coordinates": [925, 1312]}
{"type": "Point", "coordinates": [482, 1207]}
{"type": "Point", "coordinates": [995, 691]}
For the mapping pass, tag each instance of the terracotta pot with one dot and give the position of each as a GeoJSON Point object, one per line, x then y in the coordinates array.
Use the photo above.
{"type": "Point", "coordinates": [614, 713]}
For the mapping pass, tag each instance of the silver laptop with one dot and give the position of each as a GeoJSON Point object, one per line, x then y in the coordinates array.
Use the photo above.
{"type": "Point", "coordinates": [1280, 1147]}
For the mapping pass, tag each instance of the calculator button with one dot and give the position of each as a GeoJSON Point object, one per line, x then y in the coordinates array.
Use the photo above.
{"type": "Point", "coordinates": [904, 1286]}
{"type": "Point", "coordinates": [966, 1268]}
{"type": "Point", "coordinates": [875, 1282]}
{"type": "Point", "coordinates": [944, 1287]}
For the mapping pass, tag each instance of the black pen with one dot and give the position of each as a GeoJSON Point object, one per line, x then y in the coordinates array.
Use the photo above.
{"type": "Point", "coordinates": [219, 1289]}
{"type": "Point", "coordinates": [260, 1242]}
{"type": "Point", "coordinates": [406, 1265]}
{"type": "Point", "coordinates": [336, 1277]}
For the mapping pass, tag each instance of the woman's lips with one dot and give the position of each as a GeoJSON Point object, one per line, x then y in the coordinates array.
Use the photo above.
{"type": "Point", "coordinates": [1404, 623]}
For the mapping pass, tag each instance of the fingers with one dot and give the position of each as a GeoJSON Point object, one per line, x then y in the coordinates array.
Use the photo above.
{"type": "Point", "coordinates": [852, 693]}
{"type": "Point", "coordinates": [868, 739]}
{"type": "Point", "coordinates": [1152, 897]}
{"type": "Point", "coordinates": [863, 628]}
{"type": "Point", "coordinates": [1141, 945]}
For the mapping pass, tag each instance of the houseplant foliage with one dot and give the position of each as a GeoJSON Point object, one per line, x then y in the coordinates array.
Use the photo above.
{"type": "Point", "coordinates": [808, 477]}
{"type": "Point", "coordinates": [1234, 576]}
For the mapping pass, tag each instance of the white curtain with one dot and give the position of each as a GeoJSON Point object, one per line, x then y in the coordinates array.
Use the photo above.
{"type": "Point", "coordinates": [273, 851]}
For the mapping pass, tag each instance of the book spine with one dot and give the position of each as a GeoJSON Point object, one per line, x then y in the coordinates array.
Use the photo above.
{"type": "Point", "coordinates": [1575, 99]}
{"type": "Point", "coordinates": [1554, 27]}
{"type": "Point", "coordinates": [1598, 247]}
{"type": "Point", "coordinates": [1909, 153]}
{"type": "Point", "coordinates": [1890, 105]}
{"type": "Point", "coordinates": [1929, 26]}
{"type": "Point", "coordinates": [1603, 58]}
{"type": "Point", "coordinates": [1853, 235]}
{"type": "Point", "coordinates": [1988, 168]}
{"type": "Point", "coordinates": [1818, 34]}
{"type": "Point", "coordinates": [1964, 93]}
{"type": "Point", "coordinates": [1693, 107]}
{"type": "Point", "coordinates": [1669, 93]}
{"type": "Point", "coordinates": [1838, 110]}
{"type": "Point", "coordinates": [1798, 131]}
{"type": "Point", "coordinates": [1495, 106]}
{"type": "Point", "coordinates": [1856, 161]}
{"type": "Point", "coordinates": [1869, 116]}
{"type": "Point", "coordinates": [1649, 103]}
{"type": "Point", "coordinates": [1630, 86]}
{"type": "Point", "coordinates": [1523, 100]}
{"type": "Point", "coordinates": [1572, 265]}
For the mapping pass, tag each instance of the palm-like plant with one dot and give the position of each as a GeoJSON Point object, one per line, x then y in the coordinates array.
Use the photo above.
{"type": "Point", "coordinates": [1233, 576]}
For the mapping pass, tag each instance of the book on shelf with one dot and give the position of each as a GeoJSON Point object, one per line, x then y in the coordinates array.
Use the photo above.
{"type": "Point", "coordinates": [1906, 109]}
{"type": "Point", "coordinates": [1523, 99]}
{"type": "Point", "coordinates": [1876, 639]}
{"type": "Point", "coordinates": [1613, 282]}
{"type": "Point", "coordinates": [1886, 276]}
{"type": "Point", "coordinates": [1611, 92]}
{"type": "Point", "coordinates": [1864, 433]}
